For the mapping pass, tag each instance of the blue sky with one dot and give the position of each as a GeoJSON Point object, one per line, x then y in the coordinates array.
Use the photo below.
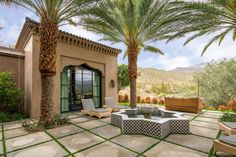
{"type": "Point", "coordinates": [12, 20]}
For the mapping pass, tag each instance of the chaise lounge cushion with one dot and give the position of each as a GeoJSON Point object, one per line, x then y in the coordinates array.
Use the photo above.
{"type": "Point", "coordinates": [231, 140]}
{"type": "Point", "coordinates": [89, 105]}
{"type": "Point", "coordinates": [230, 124]}
{"type": "Point", "coordinates": [100, 110]}
{"type": "Point", "coordinates": [119, 107]}
{"type": "Point", "coordinates": [110, 102]}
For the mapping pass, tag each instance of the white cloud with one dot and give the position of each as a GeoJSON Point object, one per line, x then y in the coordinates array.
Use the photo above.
{"type": "Point", "coordinates": [2, 22]}
{"type": "Point", "coordinates": [226, 50]}
{"type": "Point", "coordinates": [166, 62]}
{"type": "Point", "coordinates": [13, 31]}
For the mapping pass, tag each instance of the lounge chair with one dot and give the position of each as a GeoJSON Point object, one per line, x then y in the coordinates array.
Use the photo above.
{"type": "Point", "coordinates": [89, 109]}
{"type": "Point", "coordinates": [110, 103]}
{"type": "Point", "coordinates": [228, 127]}
{"type": "Point", "coordinates": [225, 144]}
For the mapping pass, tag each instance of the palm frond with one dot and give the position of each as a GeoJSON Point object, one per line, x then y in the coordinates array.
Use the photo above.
{"type": "Point", "coordinates": [206, 18]}
{"type": "Point", "coordinates": [6, 2]}
{"type": "Point", "coordinates": [153, 49]}
{"type": "Point", "coordinates": [58, 11]}
{"type": "Point", "coordinates": [133, 22]}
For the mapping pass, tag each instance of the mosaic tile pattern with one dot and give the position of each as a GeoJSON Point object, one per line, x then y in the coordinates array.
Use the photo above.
{"type": "Point", "coordinates": [150, 127]}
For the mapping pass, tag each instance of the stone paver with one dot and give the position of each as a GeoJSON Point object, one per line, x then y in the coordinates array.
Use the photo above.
{"type": "Point", "coordinates": [190, 117]}
{"type": "Point", "coordinates": [191, 141]}
{"type": "Point", "coordinates": [64, 130]}
{"type": "Point", "coordinates": [214, 113]}
{"type": "Point", "coordinates": [210, 125]}
{"type": "Point", "coordinates": [80, 141]}
{"type": "Point", "coordinates": [25, 141]}
{"type": "Point", "coordinates": [12, 125]}
{"type": "Point", "coordinates": [107, 120]}
{"type": "Point", "coordinates": [205, 119]}
{"type": "Point", "coordinates": [71, 116]}
{"type": "Point", "coordinates": [165, 149]}
{"type": "Point", "coordinates": [91, 124]}
{"type": "Point", "coordinates": [107, 131]}
{"type": "Point", "coordinates": [49, 149]}
{"type": "Point", "coordinates": [1, 148]}
{"type": "Point", "coordinates": [197, 130]}
{"type": "Point", "coordinates": [80, 120]}
{"type": "Point", "coordinates": [138, 143]}
{"type": "Point", "coordinates": [14, 133]}
{"type": "Point", "coordinates": [106, 149]}
{"type": "Point", "coordinates": [210, 115]}
{"type": "Point", "coordinates": [87, 144]}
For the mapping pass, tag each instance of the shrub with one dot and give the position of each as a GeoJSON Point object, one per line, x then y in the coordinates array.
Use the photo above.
{"type": "Point", "coordinates": [154, 101]}
{"type": "Point", "coordinates": [228, 117]}
{"type": "Point", "coordinates": [148, 100]}
{"type": "Point", "coordinates": [11, 97]}
{"type": "Point", "coordinates": [143, 100]}
{"type": "Point", "coordinates": [231, 105]}
{"type": "Point", "coordinates": [57, 120]}
{"type": "Point", "coordinates": [138, 99]}
{"type": "Point", "coordinates": [121, 98]}
{"type": "Point", "coordinates": [217, 81]}
{"type": "Point", "coordinates": [7, 117]}
{"type": "Point", "coordinates": [126, 98]}
{"type": "Point", "coordinates": [222, 107]}
{"type": "Point", "coordinates": [162, 101]}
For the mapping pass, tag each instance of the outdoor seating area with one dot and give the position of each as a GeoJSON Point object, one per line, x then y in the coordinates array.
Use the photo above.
{"type": "Point", "coordinates": [89, 109]}
{"type": "Point", "coordinates": [87, 136]}
{"type": "Point", "coordinates": [111, 103]}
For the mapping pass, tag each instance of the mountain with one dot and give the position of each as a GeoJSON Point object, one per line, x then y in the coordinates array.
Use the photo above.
{"type": "Point", "coordinates": [148, 78]}
{"type": "Point", "coordinates": [190, 69]}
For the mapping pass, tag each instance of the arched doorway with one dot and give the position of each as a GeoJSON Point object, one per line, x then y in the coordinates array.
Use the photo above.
{"type": "Point", "coordinates": [77, 83]}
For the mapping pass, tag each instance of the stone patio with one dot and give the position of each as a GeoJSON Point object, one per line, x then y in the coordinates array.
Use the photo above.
{"type": "Point", "coordinates": [91, 137]}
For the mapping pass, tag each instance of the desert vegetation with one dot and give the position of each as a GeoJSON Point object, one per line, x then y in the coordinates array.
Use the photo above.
{"type": "Point", "coordinates": [216, 84]}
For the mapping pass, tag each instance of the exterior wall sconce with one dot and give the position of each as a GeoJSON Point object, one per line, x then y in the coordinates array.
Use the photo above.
{"type": "Point", "coordinates": [113, 83]}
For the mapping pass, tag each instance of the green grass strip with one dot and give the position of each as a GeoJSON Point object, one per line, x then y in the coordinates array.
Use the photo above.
{"type": "Point", "coordinates": [212, 149]}
{"type": "Point", "coordinates": [58, 143]}
{"type": "Point", "coordinates": [198, 115]}
{"type": "Point", "coordinates": [4, 143]}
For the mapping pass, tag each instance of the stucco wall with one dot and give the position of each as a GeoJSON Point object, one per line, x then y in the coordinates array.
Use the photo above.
{"type": "Point", "coordinates": [13, 63]}
{"type": "Point", "coordinates": [29, 92]}
{"type": "Point", "coordinates": [69, 55]}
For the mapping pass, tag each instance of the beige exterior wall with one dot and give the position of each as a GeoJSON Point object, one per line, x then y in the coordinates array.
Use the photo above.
{"type": "Point", "coordinates": [12, 61]}
{"type": "Point", "coordinates": [66, 55]}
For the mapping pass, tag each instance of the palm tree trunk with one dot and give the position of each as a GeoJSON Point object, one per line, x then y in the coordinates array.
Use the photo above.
{"type": "Point", "coordinates": [47, 66]}
{"type": "Point", "coordinates": [132, 66]}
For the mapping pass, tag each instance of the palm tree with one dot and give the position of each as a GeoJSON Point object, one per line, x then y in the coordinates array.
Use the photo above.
{"type": "Point", "coordinates": [52, 14]}
{"type": "Point", "coordinates": [135, 23]}
{"type": "Point", "coordinates": [6, 2]}
{"type": "Point", "coordinates": [217, 17]}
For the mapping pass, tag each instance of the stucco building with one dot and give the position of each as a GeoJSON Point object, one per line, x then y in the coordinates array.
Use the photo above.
{"type": "Point", "coordinates": [85, 69]}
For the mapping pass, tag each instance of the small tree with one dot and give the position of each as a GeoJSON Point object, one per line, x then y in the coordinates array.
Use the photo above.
{"type": "Point", "coordinates": [218, 81]}
{"type": "Point", "coordinates": [10, 95]}
{"type": "Point", "coordinates": [123, 76]}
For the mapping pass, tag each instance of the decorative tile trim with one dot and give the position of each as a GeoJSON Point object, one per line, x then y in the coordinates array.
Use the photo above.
{"type": "Point", "coordinates": [155, 128]}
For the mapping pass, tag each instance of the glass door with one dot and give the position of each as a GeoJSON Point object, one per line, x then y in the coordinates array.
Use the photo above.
{"type": "Point", "coordinates": [77, 83]}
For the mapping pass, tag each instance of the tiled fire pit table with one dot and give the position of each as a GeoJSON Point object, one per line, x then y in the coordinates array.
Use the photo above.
{"type": "Point", "coordinates": [160, 124]}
